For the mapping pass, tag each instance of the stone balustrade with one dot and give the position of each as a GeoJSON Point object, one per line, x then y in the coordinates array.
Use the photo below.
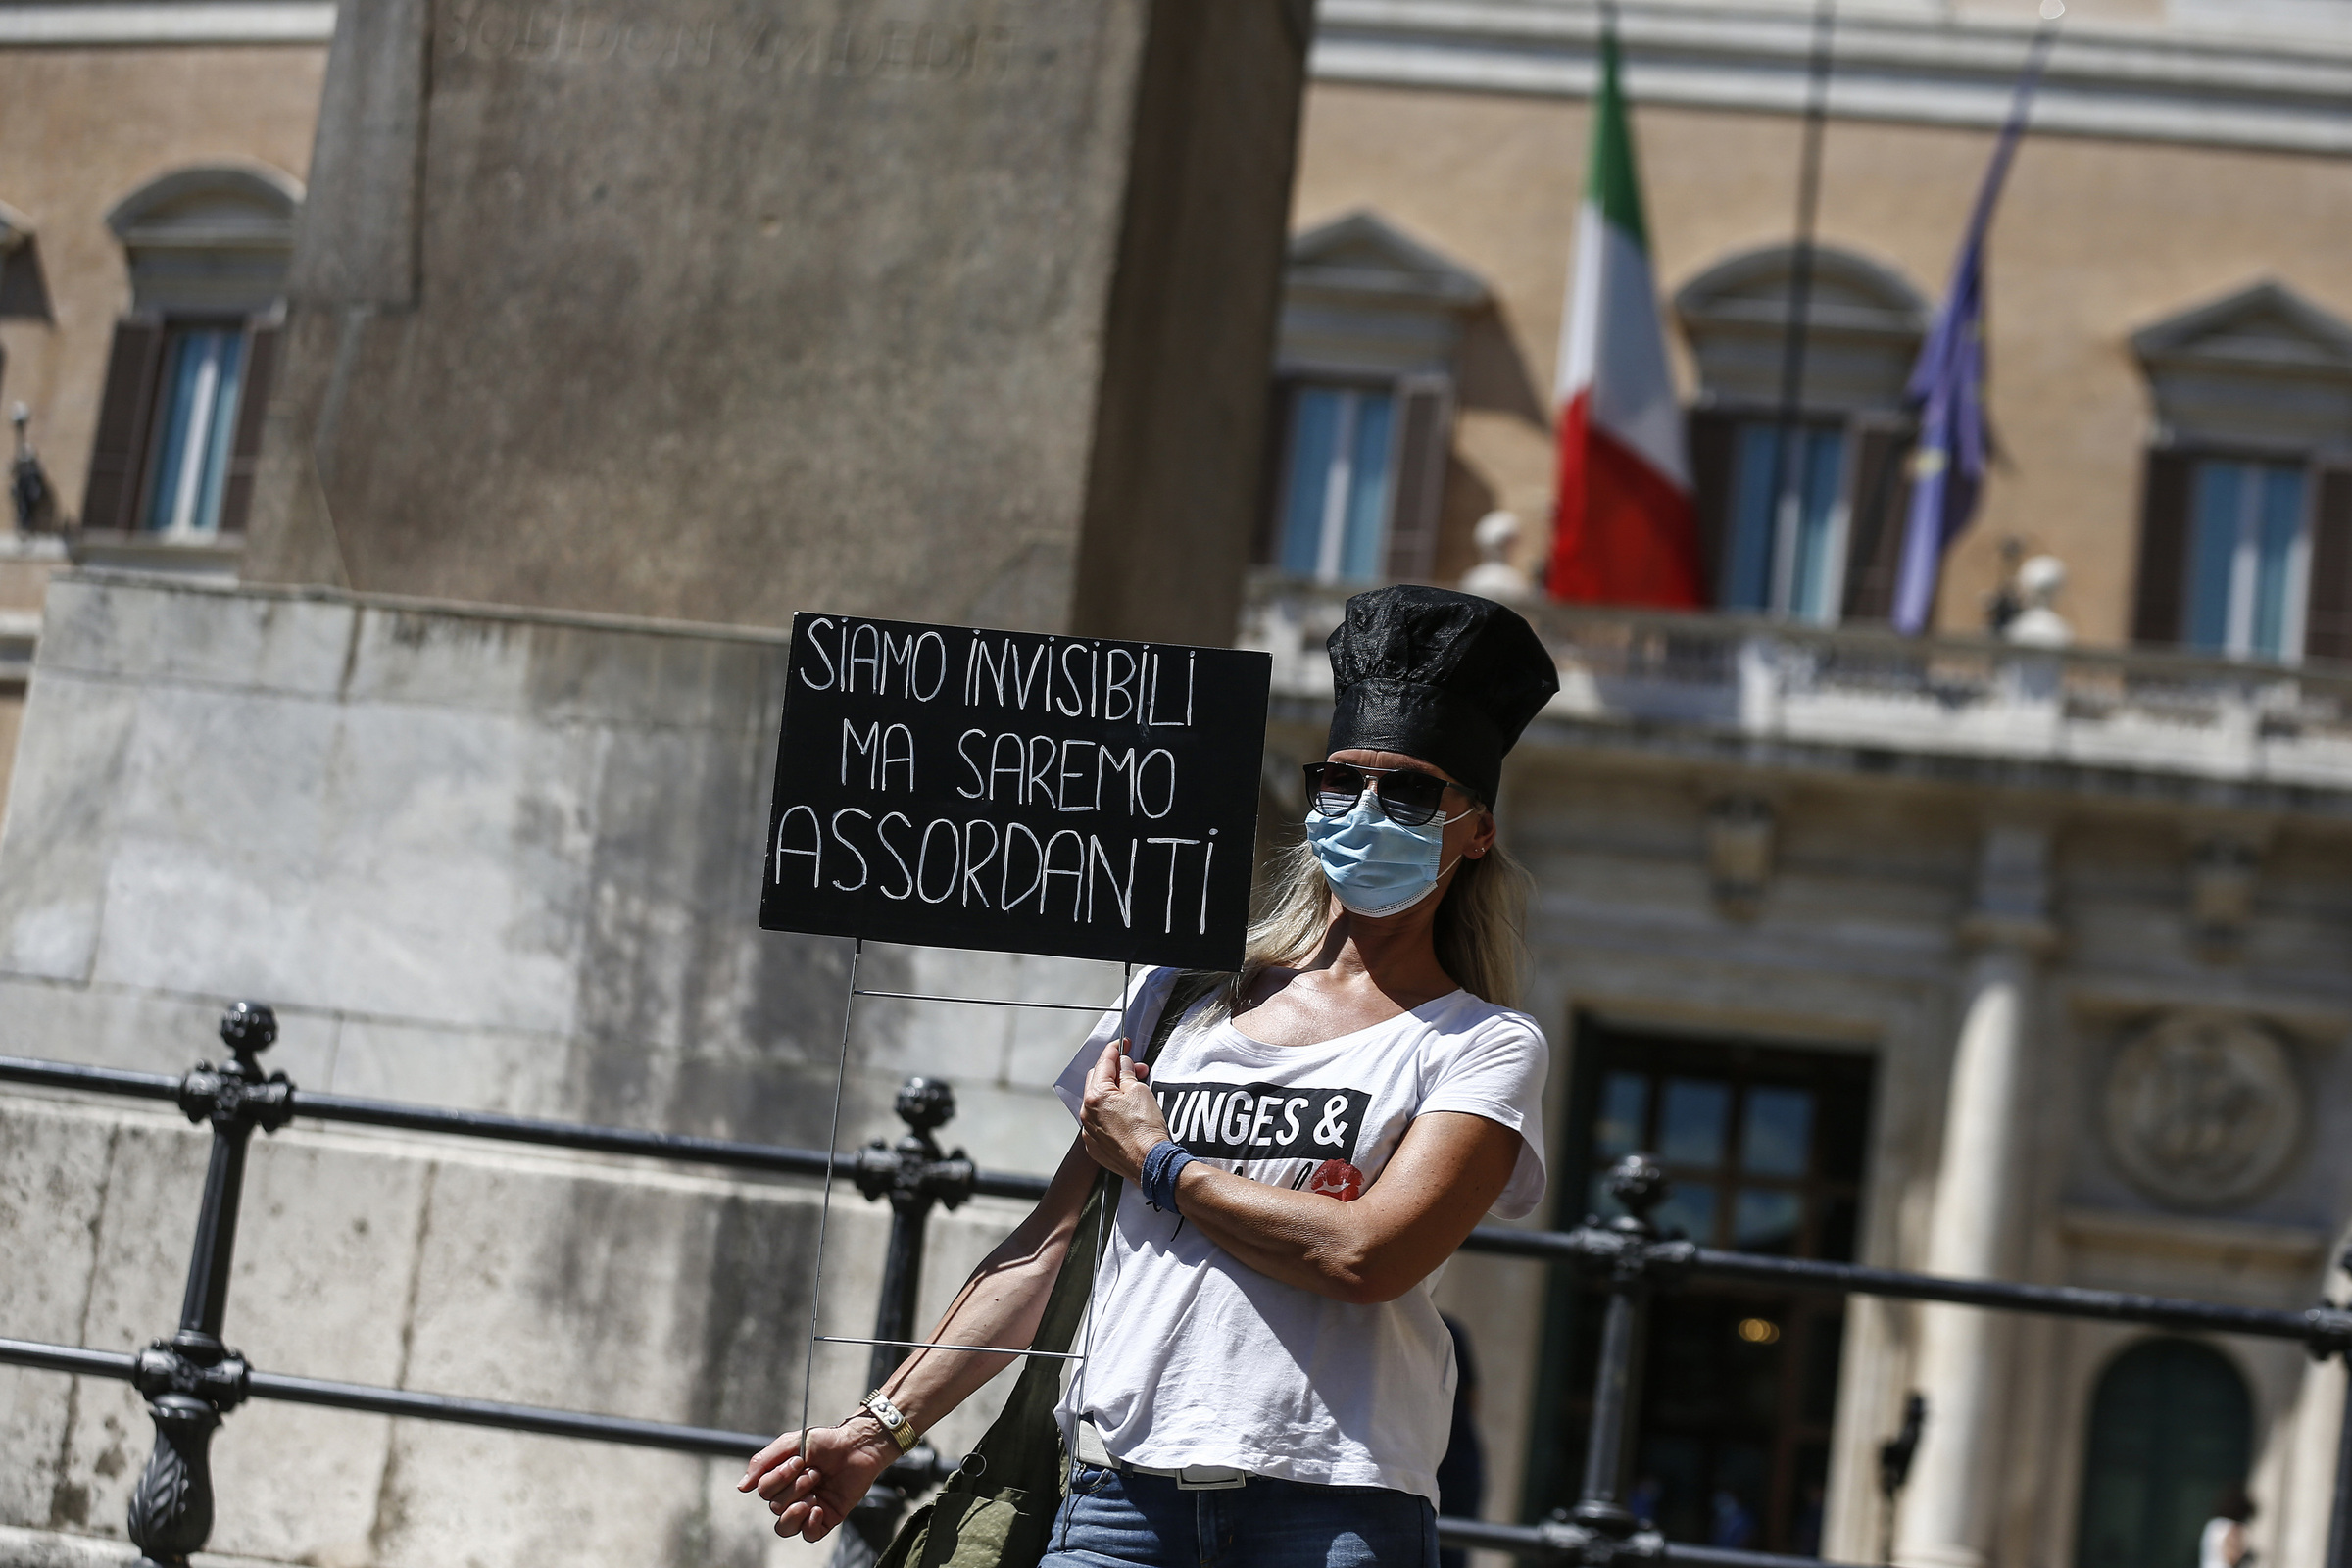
{"type": "Point", "coordinates": [1876, 694]}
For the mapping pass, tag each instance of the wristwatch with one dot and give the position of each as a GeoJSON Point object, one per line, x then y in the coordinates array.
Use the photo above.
{"type": "Point", "coordinates": [893, 1420]}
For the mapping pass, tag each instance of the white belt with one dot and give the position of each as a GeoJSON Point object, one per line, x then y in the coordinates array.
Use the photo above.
{"type": "Point", "coordinates": [1191, 1477]}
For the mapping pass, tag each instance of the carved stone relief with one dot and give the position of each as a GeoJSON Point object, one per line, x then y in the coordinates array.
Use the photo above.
{"type": "Point", "coordinates": [2203, 1110]}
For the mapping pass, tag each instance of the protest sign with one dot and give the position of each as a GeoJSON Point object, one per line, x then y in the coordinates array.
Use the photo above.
{"type": "Point", "coordinates": [1016, 792]}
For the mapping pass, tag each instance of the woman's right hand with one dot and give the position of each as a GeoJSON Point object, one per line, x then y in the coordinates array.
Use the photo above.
{"type": "Point", "coordinates": [810, 1498]}
{"type": "Point", "coordinates": [1119, 1121]}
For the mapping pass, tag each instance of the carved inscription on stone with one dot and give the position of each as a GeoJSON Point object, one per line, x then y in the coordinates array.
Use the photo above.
{"type": "Point", "coordinates": [870, 49]}
{"type": "Point", "coordinates": [2204, 1111]}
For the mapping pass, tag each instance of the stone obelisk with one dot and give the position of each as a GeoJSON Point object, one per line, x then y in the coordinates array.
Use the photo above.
{"type": "Point", "coordinates": [714, 309]}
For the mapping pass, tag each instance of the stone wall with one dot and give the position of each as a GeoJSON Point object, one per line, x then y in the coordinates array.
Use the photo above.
{"type": "Point", "coordinates": [480, 859]}
{"type": "Point", "coordinates": [26, 563]}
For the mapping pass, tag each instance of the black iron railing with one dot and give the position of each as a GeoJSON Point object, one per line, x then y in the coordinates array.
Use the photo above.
{"type": "Point", "coordinates": [193, 1379]}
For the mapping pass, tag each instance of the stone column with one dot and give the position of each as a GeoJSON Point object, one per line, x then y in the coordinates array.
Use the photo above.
{"type": "Point", "coordinates": [1951, 1508]}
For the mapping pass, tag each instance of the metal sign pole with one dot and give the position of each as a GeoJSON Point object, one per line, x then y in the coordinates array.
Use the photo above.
{"type": "Point", "coordinates": [816, 1281]}
{"type": "Point", "coordinates": [913, 1176]}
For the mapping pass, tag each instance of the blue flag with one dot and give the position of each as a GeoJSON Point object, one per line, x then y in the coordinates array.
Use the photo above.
{"type": "Point", "coordinates": [1947, 387]}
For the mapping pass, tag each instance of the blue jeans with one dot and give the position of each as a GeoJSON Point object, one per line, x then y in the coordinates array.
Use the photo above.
{"type": "Point", "coordinates": [1118, 1519]}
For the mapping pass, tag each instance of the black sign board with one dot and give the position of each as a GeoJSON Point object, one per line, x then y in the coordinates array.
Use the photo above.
{"type": "Point", "coordinates": [1016, 792]}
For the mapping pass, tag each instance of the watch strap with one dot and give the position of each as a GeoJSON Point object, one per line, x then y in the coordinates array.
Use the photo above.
{"type": "Point", "coordinates": [893, 1420]}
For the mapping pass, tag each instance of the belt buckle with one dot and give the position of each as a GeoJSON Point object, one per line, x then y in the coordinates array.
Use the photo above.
{"type": "Point", "coordinates": [1211, 1478]}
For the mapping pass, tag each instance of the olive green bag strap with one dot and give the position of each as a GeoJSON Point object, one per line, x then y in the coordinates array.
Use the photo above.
{"type": "Point", "coordinates": [998, 1509]}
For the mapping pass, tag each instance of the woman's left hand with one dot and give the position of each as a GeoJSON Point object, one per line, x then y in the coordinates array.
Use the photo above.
{"type": "Point", "coordinates": [1120, 1118]}
{"type": "Point", "coordinates": [810, 1498]}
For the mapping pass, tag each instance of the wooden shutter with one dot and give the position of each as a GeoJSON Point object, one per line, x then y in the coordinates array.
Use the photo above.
{"type": "Point", "coordinates": [1878, 503]}
{"type": "Point", "coordinates": [1714, 449]}
{"type": "Point", "coordinates": [23, 291]}
{"type": "Point", "coordinates": [2327, 611]}
{"type": "Point", "coordinates": [245, 451]}
{"type": "Point", "coordinates": [126, 411]}
{"type": "Point", "coordinates": [2159, 604]}
{"type": "Point", "coordinates": [1424, 436]}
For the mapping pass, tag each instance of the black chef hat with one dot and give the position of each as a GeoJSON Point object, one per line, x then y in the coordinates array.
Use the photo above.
{"type": "Point", "coordinates": [1448, 677]}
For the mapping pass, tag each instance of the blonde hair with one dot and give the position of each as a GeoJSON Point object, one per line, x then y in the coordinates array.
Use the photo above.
{"type": "Point", "coordinates": [1479, 932]}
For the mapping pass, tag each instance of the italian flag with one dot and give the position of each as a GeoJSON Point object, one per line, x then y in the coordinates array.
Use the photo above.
{"type": "Point", "coordinates": [1624, 530]}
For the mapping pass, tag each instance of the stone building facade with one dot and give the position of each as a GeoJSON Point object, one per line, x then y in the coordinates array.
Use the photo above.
{"type": "Point", "coordinates": [2052, 940]}
{"type": "Point", "coordinates": [1940, 953]}
{"type": "Point", "coordinates": [2062, 833]}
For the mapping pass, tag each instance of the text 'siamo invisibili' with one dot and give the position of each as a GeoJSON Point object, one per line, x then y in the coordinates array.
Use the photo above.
{"type": "Point", "coordinates": [1016, 792]}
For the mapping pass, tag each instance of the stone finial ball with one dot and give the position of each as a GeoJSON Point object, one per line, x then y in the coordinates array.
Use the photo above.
{"type": "Point", "coordinates": [2040, 578]}
{"type": "Point", "coordinates": [1496, 533]}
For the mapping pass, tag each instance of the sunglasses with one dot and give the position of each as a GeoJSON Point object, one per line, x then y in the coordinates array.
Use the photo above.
{"type": "Point", "coordinates": [1407, 795]}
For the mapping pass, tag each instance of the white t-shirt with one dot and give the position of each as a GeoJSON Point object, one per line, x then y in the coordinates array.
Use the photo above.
{"type": "Point", "coordinates": [1194, 1357]}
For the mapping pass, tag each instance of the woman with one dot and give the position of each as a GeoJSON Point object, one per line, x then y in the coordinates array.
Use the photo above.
{"type": "Point", "coordinates": [1319, 1135]}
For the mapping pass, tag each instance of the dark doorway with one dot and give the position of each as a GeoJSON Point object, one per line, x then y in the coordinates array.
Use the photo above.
{"type": "Point", "coordinates": [2171, 1435]}
{"type": "Point", "coordinates": [1765, 1147]}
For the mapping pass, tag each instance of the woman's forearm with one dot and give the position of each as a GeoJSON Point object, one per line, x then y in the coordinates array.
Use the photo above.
{"type": "Point", "coordinates": [1002, 1303]}
{"type": "Point", "coordinates": [1449, 1169]}
{"type": "Point", "coordinates": [1303, 1239]}
{"type": "Point", "coordinates": [1374, 1248]}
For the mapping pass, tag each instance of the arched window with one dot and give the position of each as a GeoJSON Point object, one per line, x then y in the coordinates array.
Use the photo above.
{"type": "Point", "coordinates": [1832, 556]}
{"type": "Point", "coordinates": [180, 422]}
{"type": "Point", "coordinates": [2171, 1433]}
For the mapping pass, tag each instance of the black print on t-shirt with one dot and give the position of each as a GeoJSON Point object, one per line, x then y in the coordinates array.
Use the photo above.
{"type": "Point", "coordinates": [1263, 1121]}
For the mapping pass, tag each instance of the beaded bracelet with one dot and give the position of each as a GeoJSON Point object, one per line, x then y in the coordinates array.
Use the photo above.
{"type": "Point", "coordinates": [1161, 1167]}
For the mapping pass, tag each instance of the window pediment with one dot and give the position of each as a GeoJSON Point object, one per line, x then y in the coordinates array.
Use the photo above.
{"type": "Point", "coordinates": [209, 239]}
{"type": "Point", "coordinates": [1363, 254]}
{"type": "Point", "coordinates": [2261, 367]}
{"type": "Point", "coordinates": [1361, 297]}
{"type": "Point", "coordinates": [1863, 323]}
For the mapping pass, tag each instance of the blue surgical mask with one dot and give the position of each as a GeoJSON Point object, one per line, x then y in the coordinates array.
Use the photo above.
{"type": "Point", "coordinates": [1375, 865]}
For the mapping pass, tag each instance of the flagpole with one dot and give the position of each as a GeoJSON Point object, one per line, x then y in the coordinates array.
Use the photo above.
{"type": "Point", "coordinates": [1788, 461]}
{"type": "Point", "coordinates": [1947, 386]}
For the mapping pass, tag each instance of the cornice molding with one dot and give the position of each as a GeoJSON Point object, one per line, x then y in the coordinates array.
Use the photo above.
{"type": "Point", "coordinates": [1905, 63]}
{"type": "Point", "coordinates": [2032, 937]}
{"type": "Point", "coordinates": [205, 21]}
{"type": "Point", "coordinates": [2170, 1233]}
